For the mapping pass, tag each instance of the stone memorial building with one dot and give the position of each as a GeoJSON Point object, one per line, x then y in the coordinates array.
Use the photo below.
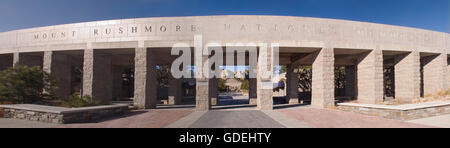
{"type": "Point", "coordinates": [104, 51]}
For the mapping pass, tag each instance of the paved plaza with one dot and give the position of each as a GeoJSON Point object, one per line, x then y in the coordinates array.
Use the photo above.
{"type": "Point", "coordinates": [236, 119]}
{"type": "Point", "coordinates": [240, 117]}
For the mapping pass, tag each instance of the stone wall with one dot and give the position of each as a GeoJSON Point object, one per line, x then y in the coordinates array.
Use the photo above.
{"type": "Point", "coordinates": [78, 115]}
{"type": "Point", "coordinates": [33, 115]}
{"type": "Point", "coordinates": [93, 115]}
{"type": "Point", "coordinates": [313, 31]}
{"type": "Point", "coordinates": [398, 114]}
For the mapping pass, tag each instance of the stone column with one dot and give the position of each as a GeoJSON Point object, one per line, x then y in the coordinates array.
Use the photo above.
{"type": "Point", "coordinates": [252, 91]}
{"type": "Point", "coordinates": [202, 98]}
{"type": "Point", "coordinates": [407, 76]}
{"type": "Point", "coordinates": [370, 77]}
{"type": "Point", "coordinates": [434, 72]}
{"type": "Point", "coordinates": [203, 85]}
{"type": "Point", "coordinates": [322, 93]}
{"type": "Point", "coordinates": [265, 95]}
{"type": "Point", "coordinates": [145, 83]}
{"type": "Point", "coordinates": [59, 67]}
{"type": "Point", "coordinates": [97, 79]}
{"type": "Point", "coordinates": [16, 58]}
{"type": "Point", "coordinates": [264, 85]}
{"type": "Point", "coordinates": [350, 81]}
{"type": "Point", "coordinates": [213, 91]}
{"type": "Point", "coordinates": [175, 94]}
{"type": "Point", "coordinates": [292, 85]}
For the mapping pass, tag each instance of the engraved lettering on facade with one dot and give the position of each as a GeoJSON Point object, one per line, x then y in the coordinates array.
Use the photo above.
{"type": "Point", "coordinates": [291, 28]}
{"type": "Point", "coordinates": [95, 32]}
{"type": "Point", "coordinates": [227, 27]}
{"type": "Point", "coordinates": [120, 30]}
{"type": "Point", "coordinates": [243, 28]}
{"type": "Point", "coordinates": [148, 28]}
{"type": "Point", "coordinates": [108, 31]}
{"type": "Point", "coordinates": [259, 27]}
{"type": "Point", "coordinates": [134, 29]}
{"type": "Point", "coordinates": [163, 28]}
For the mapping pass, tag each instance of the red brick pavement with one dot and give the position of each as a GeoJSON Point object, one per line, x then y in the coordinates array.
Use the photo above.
{"type": "Point", "coordinates": [329, 118]}
{"type": "Point", "coordinates": [157, 118]}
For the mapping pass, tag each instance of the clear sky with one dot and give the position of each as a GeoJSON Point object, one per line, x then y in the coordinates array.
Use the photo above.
{"type": "Point", "coordinates": [426, 14]}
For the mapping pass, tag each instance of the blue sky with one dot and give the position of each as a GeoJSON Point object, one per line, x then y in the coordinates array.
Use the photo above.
{"type": "Point", "coordinates": [426, 14]}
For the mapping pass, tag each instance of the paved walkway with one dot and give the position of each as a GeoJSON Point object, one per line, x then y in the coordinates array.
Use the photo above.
{"type": "Point", "coordinates": [437, 121]}
{"type": "Point", "coordinates": [328, 118]}
{"type": "Point", "coordinates": [139, 119]}
{"type": "Point", "coordinates": [297, 117]}
{"type": "Point", "coordinates": [235, 119]}
{"type": "Point", "coordinates": [233, 114]}
{"type": "Point", "coordinates": [15, 123]}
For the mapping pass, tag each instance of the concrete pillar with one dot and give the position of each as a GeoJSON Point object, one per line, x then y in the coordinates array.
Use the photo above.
{"type": "Point", "coordinates": [145, 83]}
{"type": "Point", "coordinates": [97, 79]}
{"type": "Point", "coordinates": [203, 84]}
{"type": "Point", "coordinates": [252, 91]}
{"type": "Point", "coordinates": [407, 76]}
{"type": "Point", "coordinates": [370, 77]}
{"type": "Point", "coordinates": [213, 91]}
{"type": "Point", "coordinates": [59, 67]}
{"type": "Point", "coordinates": [264, 85]}
{"type": "Point", "coordinates": [434, 72]}
{"type": "Point", "coordinates": [322, 93]}
{"type": "Point", "coordinates": [16, 58]}
{"type": "Point", "coordinates": [350, 81]}
{"type": "Point", "coordinates": [292, 85]}
{"type": "Point", "coordinates": [202, 98]}
{"type": "Point", "coordinates": [6, 61]}
{"type": "Point", "coordinates": [265, 95]}
{"type": "Point", "coordinates": [175, 94]}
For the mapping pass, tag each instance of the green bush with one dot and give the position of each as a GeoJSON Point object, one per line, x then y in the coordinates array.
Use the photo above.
{"type": "Point", "coordinates": [245, 85]}
{"type": "Point", "coordinates": [76, 100]}
{"type": "Point", "coordinates": [24, 84]}
{"type": "Point", "coordinates": [222, 85]}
